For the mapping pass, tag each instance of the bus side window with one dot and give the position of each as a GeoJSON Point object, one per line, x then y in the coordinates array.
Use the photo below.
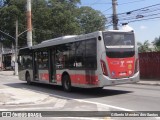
{"type": "Point", "coordinates": [80, 55]}
{"type": "Point", "coordinates": [42, 59]}
{"type": "Point", "coordinates": [72, 50]}
{"type": "Point", "coordinates": [91, 54]}
{"type": "Point", "coordinates": [62, 56]}
{"type": "Point", "coordinates": [19, 60]}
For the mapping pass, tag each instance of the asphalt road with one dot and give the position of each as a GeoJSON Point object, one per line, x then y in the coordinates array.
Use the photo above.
{"type": "Point", "coordinates": [112, 98]}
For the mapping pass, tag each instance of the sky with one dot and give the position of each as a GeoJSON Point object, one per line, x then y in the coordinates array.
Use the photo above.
{"type": "Point", "coordinates": [144, 30]}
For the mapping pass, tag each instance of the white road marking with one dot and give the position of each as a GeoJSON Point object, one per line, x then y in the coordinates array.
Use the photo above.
{"type": "Point", "coordinates": [102, 108]}
{"type": "Point", "coordinates": [3, 109]}
{"type": "Point", "coordinates": [106, 105]}
{"type": "Point", "coordinates": [60, 103]}
{"type": "Point", "coordinates": [64, 101]}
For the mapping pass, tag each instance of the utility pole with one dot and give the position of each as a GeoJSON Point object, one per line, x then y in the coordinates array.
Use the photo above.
{"type": "Point", "coordinates": [16, 50]}
{"type": "Point", "coordinates": [1, 56]}
{"type": "Point", "coordinates": [115, 17]}
{"type": "Point", "coordinates": [29, 24]}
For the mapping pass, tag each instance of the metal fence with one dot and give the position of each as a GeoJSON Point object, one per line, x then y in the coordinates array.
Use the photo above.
{"type": "Point", "coordinates": [149, 65]}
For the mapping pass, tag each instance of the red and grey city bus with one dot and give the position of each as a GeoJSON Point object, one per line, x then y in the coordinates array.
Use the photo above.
{"type": "Point", "coordinates": [92, 60]}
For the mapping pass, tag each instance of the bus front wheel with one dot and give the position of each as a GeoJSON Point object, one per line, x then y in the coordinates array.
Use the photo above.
{"type": "Point", "coordinates": [66, 83]}
{"type": "Point", "coordinates": [28, 78]}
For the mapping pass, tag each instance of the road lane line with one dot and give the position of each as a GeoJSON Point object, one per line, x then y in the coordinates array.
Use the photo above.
{"type": "Point", "coordinates": [60, 103]}
{"type": "Point", "coordinates": [3, 109]}
{"type": "Point", "coordinates": [97, 103]}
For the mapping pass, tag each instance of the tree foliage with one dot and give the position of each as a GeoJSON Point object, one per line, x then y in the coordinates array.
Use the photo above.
{"type": "Point", "coordinates": [50, 19]}
{"type": "Point", "coordinates": [144, 47]}
{"type": "Point", "coordinates": [156, 42]}
{"type": "Point", "coordinates": [10, 11]}
{"type": "Point", "coordinates": [91, 20]}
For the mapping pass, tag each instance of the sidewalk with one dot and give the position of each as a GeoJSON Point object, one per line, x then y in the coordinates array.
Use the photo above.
{"type": "Point", "coordinates": [7, 72]}
{"type": "Point", "coordinates": [142, 81]}
{"type": "Point", "coordinates": [149, 82]}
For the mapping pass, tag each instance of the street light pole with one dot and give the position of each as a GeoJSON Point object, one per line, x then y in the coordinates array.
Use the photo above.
{"type": "Point", "coordinates": [16, 45]}
{"type": "Point", "coordinates": [16, 50]}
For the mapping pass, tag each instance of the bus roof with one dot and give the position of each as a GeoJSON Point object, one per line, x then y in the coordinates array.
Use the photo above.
{"type": "Point", "coordinates": [72, 38]}
{"type": "Point", "coordinates": [119, 31]}
{"type": "Point", "coordinates": [59, 38]}
{"type": "Point", "coordinates": [24, 50]}
{"type": "Point", "coordinates": [66, 39]}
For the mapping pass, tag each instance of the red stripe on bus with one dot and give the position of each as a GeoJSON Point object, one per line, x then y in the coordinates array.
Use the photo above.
{"type": "Point", "coordinates": [80, 79]}
{"type": "Point", "coordinates": [86, 79]}
{"type": "Point", "coordinates": [44, 76]}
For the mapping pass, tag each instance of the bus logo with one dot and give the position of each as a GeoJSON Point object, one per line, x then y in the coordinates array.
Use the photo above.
{"type": "Point", "coordinates": [122, 64]}
{"type": "Point", "coordinates": [130, 66]}
{"type": "Point", "coordinates": [113, 73]}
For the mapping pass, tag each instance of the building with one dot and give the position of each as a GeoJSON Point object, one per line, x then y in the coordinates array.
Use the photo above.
{"type": "Point", "coordinates": [7, 56]}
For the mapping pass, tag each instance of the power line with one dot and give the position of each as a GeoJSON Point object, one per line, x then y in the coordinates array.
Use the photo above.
{"type": "Point", "coordinates": [145, 19]}
{"type": "Point", "coordinates": [131, 2]}
{"type": "Point", "coordinates": [141, 14]}
{"type": "Point", "coordinates": [107, 10]}
{"type": "Point", "coordinates": [139, 9]}
{"type": "Point", "coordinates": [7, 34]}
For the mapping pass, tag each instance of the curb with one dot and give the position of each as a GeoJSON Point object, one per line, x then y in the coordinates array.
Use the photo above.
{"type": "Point", "coordinates": [7, 74]}
{"type": "Point", "coordinates": [143, 83]}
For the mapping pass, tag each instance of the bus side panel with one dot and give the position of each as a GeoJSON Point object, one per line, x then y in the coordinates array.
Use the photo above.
{"type": "Point", "coordinates": [59, 75]}
{"type": "Point", "coordinates": [87, 77]}
{"type": "Point", "coordinates": [101, 55]}
{"type": "Point", "coordinates": [43, 75]}
{"type": "Point", "coordinates": [22, 74]}
{"type": "Point", "coordinates": [79, 78]}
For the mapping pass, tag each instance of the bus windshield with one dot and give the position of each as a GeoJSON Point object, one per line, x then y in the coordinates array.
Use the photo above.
{"type": "Point", "coordinates": [119, 45]}
{"type": "Point", "coordinates": [114, 40]}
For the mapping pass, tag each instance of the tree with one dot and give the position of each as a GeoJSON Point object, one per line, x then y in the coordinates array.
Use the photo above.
{"type": "Point", "coordinates": [11, 11]}
{"type": "Point", "coordinates": [91, 20]}
{"type": "Point", "coordinates": [144, 47]}
{"type": "Point", "coordinates": [50, 19]}
{"type": "Point", "coordinates": [156, 42]}
{"type": "Point", "coordinates": [55, 19]}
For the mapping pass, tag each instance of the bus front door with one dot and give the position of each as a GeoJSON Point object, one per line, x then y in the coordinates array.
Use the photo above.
{"type": "Point", "coordinates": [41, 66]}
{"type": "Point", "coordinates": [52, 65]}
{"type": "Point", "coordinates": [35, 66]}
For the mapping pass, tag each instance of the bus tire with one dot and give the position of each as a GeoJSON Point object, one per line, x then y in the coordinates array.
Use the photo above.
{"type": "Point", "coordinates": [66, 83]}
{"type": "Point", "coordinates": [28, 79]}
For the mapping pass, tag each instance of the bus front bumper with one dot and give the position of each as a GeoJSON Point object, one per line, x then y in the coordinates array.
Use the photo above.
{"type": "Point", "coordinates": [106, 81]}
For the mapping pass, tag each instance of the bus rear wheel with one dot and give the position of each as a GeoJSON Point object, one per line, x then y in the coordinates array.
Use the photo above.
{"type": "Point", "coordinates": [66, 83]}
{"type": "Point", "coordinates": [28, 79]}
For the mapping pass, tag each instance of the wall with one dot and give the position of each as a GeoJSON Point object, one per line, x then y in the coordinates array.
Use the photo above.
{"type": "Point", "coordinates": [149, 65]}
